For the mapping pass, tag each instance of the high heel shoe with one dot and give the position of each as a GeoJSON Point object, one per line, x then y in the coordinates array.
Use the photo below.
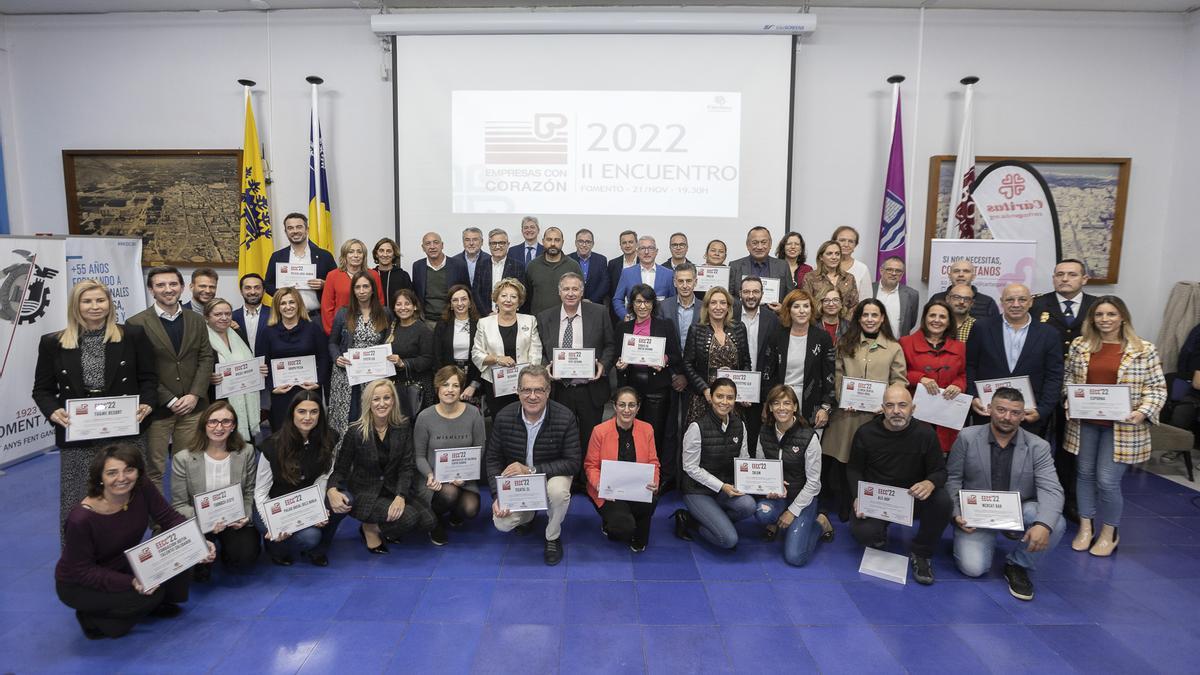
{"type": "Point", "coordinates": [1083, 538]}
{"type": "Point", "coordinates": [826, 535]}
{"type": "Point", "coordinates": [377, 550]}
{"type": "Point", "coordinates": [683, 524]}
{"type": "Point", "coordinates": [1106, 543]}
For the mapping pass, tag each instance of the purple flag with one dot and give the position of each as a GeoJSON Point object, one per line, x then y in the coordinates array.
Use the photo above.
{"type": "Point", "coordinates": [893, 222]}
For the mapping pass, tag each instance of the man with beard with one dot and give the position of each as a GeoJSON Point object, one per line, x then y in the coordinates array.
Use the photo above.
{"type": "Point", "coordinates": [301, 251]}
{"type": "Point", "coordinates": [203, 288]}
{"type": "Point", "coordinates": [543, 272]}
{"type": "Point", "coordinates": [760, 326]}
{"type": "Point", "coordinates": [251, 317]}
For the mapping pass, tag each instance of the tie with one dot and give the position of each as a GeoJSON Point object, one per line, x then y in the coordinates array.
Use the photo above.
{"type": "Point", "coordinates": [568, 340]}
{"type": "Point", "coordinates": [528, 254]}
{"type": "Point", "coordinates": [1068, 312]}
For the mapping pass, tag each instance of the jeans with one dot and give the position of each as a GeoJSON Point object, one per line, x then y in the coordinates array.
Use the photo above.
{"type": "Point", "coordinates": [973, 551]}
{"type": "Point", "coordinates": [716, 513]}
{"type": "Point", "coordinates": [800, 539]}
{"type": "Point", "coordinates": [1098, 477]}
{"type": "Point", "coordinates": [309, 540]}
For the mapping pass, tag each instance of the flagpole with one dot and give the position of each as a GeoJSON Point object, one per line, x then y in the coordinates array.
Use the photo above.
{"type": "Point", "coordinates": [895, 81]}
{"type": "Point", "coordinates": [964, 166]}
{"type": "Point", "coordinates": [316, 150]}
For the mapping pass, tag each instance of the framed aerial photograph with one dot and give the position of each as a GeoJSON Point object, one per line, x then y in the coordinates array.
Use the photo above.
{"type": "Point", "coordinates": [1089, 193]}
{"type": "Point", "coordinates": [184, 204]}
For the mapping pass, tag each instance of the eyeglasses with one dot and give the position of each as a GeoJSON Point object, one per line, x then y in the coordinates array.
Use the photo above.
{"type": "Point", "coordinates": [893, 270]}
{"type": "Point", "coordinates": [228, 424]}
{"type": "Point", "coordinates": [678, 244]}
{"type": "Point", "coordinates": [642, 301]}
{"type": "Point", "coordinates": [648, 249]}
{"type": "Point", "coordinates": [497, 244]}
{"type": "Point", "coordinates": [626, 405]}
{"type": "Point", "coordinates": [960, 298]}
{"type": "Point", "coordinates": [533, 391]}
{"type": "Point", "coordinates": [584, 242]}
{"type": "Point", "coordinates": [831, 301]}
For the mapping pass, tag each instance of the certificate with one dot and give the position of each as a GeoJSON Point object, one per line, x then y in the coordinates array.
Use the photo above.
{"type": "Point", "coordinates": [574, 364]}
{"type": "Point", "coordinates": [522, 493]}
{"type": "Point", "coordinates": [748, 382]}
{"type": "Point", "coordinates": [294, 275]}
{"type": "Point", "coordinates": [504, 380]}
{"type": "Point", "coordinates": [454, 464]}
{"type": "Point", "coordinates": [758, 476]}
{"type": "Point", "coordinates": [711, 276]}
{"type": "Point", "coordinates": [1108, 402]}
{"type": "Point", "coordinates": [644, 350]}
{"type": "Point", "coordinates": [988, 387]}
{"type": "Point", "coordinates": [369, 364]}
{"type": "Point", "coordinates": [176, 550]}
{"type": "Point", "coordinates": [95, 418]}
{"type": "Point", "coordinates": [770, 290]}
{"type": "Point", "coordinates": [992, 510]}
{"type": "Point", "coordinates": [216, 505]}
{"type": "Point", "coordinates": [294, 511]}
{"type": "Point", "coordinates": [626, 481]}
{"type": "Point", "coordinates": [861, 395]}
{"type": "Point", "coordinates": [950, 413]}
{"type": "Point", "coordinates": [294, 370]}
{"type": "Point", "coordinates": [240, 377]}
{"type": "Point", "coordinates": [885, 502]}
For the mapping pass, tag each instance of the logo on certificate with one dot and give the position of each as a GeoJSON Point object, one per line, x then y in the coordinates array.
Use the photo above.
{"type": "Point", "coordinates": [632, 342]}
{"type": "Point", "coordinates": [562, 356]}
{"type": "Point", "coordinates": [355, 356]}
{"type": "Point", "coordinates": [1079, 393]}
{"type": "Point", "coordinates": [204, 502]}
{"type": "Point", "coordinates": [987, 388]}
{"type": "Point", "coordinates": [506, 485]}
{"type": "Point", "coordinates": [228, 372]}
{"type": "Point", "coordinates": [443, 459]}
{"type": "Point", "coordinates": [81, 409]}
{"type": "Point", "coordinates": [145, 555]}
{"type": "Point", "coordinates": [744, 467]}
{"type": "Point", "coordinates": [849, 386]}
{"type": "Point", "coordinates": [280, 366]}
{"type": "Point", "coordinates": [869, 491]}
{"type": "Point", "coordinates": [972, 500]}
{"type": "Point", "coordinates": [276, 508]}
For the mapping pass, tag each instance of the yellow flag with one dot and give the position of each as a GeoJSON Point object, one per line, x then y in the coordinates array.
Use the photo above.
{"type": "Point", "coordinates": [254, 239]}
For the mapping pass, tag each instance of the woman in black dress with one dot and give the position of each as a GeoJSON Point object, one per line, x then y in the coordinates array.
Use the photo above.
{"type": "Point", "coordinates": [452, 339]}
{"type": "Point", "coordinates": [716, 342]}
{"type": "Point", "coordinates": [412, 352]}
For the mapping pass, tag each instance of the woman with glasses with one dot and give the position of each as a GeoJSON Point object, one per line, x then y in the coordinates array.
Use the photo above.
{"type": "Point", "coordinates": [229, 347]}
{"type": "Point", "coordinates": [653, 384]}
{"type": "Point", "coordinates": [505, 339]}
{"type": "Point", "coordinates": [829, 315]}
{"type": "Point", "coordinates": [791, 250]}
{"type": "Point", "coordinates": [219, 458]}
{"type": "Point", "coordinates": [363, 323]}
{"type": "Point", "coordinates": [716, 342]}
{"type": "Point", "coordinates": [936, 361]}
{"type": "Point", "coordinates": [452, 339]}
{"type": "Point", "coordinates": [829, 274]}
{"type": "Point", "coordinates": [623, 438]}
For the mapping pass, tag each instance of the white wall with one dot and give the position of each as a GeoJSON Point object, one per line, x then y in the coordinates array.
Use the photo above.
{"type": "Point", "coordinates": [1053, 83]}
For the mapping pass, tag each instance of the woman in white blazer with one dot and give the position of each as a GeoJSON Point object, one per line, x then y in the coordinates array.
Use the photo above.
{"type": "Point", "coordinates": [505, 339]}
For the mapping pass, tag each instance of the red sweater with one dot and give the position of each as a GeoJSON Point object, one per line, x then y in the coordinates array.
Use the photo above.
{"type": "Point", "coordinates": [946, 366]}
{"type": "Point", "coordinates": [336, 295]}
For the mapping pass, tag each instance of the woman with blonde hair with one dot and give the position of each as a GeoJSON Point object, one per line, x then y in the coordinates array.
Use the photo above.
{"type": "Point", "coordinates": [94, 356]}
{"type": "Point", "coordinates": [229, 348]}
{"type": "Point", "coordinates": [716, 342]}
{"type": "Point", "coordinates": [1110, 352]}
{"type": "Point", "coordinates": [829, 274]}
{"type": "Point", "coordinates": [289, 333]}
{"type": "Point", "coordinates": [352, 259]}
{"type": "Point", "coordinates": [505, 339]}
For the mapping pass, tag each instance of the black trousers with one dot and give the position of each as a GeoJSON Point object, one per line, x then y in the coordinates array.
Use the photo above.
{"type": "Point", "coordinates": [1064, 462]}
{"type": "Point", "coordinates": [578, 399]}
{"type": "Point", "coordinates": [934, 514]}
{"type": "Point", "coordinates": [238, 549]}
{"type": "Point", "coordinates": [655, 411]}
{"type": "Point", "coordinates": [628, 521]}
{"type": "Point", "coordinates": [752, 416]}
{"type": "Point", "coordinates": [114, 614]}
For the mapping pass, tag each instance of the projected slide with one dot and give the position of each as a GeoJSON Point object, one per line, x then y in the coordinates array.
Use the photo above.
{"type": "Point", "coordinates": [648, 153]}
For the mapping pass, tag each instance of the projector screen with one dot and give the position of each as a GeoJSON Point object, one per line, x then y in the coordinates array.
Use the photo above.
{"type": "Point", "coordinates": [655, 133]}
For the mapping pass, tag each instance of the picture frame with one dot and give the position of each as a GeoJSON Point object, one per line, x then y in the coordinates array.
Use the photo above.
{"type": "Point", "coordinates": [185, 205]}
{"type": "Point", "coordinates": [1090, 194]}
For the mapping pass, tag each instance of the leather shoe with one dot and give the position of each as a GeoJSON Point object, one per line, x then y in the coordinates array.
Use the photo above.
{"type": "Point", "coordinates": [554, 551]}
{"type": "Point", "coordinates": [282, 560]}
{"type": "Point", "coordinates": [683, 524]}
{"type": "Point", "coordinates": [167, 610]}
{"type": "Point", "coordinates": [318, 559]}
{"type": "Point", "coordinates": [523, 529]}
{"type": "Point", "coordinates": [377, 550]}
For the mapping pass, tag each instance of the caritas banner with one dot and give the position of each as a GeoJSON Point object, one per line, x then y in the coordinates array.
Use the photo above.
{"type": "Point", "coordinates": [998, 263]}
{"type": "Point", "coordinates": [33, 301]}
{"type": "Point", "coordinates": [115, 262]}
{"type": "Point", "coordinates": [1016, 204]}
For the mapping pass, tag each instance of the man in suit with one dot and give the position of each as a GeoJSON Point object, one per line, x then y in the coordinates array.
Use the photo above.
{"type": "Point", "coordinates": [251, 318]}
{"type": "Point", "coordinates": [759, 263]}
{"type": "Point", "coordinates": [434, 275]}
{"type": "Point", "coordinates": [760, 325]}
{"type": "Point", "coordinates": [536, 436]}
{"type": "Point", "coordinates": [593, 266]}
{"type": "Point", "coordinates": [301, 251]}
{"type": "Point", "coordinates": [962, 271]}
{"type": "Point", "coordinates": [528, 249]}
{"type": "Point", "coordinates": [1001, 456]}
{"type": "Point", "coordinates": [618, 264]}
{"type": "Point", "coordinates": [472, 239]}
{"type": "Point", "coordinates": [902, 302]}
{"type": "Point", "coordinates": [1014, 345]}
{"type": "Point", "coordinates": [575, 324]}
{"type": "Point", "coordinates": [500, 265]}
{"type": "Point", "coordinates": [544, 272]}
{"type": "Point", "coordinates": [203, 288]}
{"type": "Point", "coordinates": [684, 307]}
{"type": "Point", "coordinates": [1064, 311]}
{"type": "Point", "coordinates": [646, 272]}
{"type": "Point", "coordinates": [678, 250]}
{"type": "Point", "coordinates": [184, 361]}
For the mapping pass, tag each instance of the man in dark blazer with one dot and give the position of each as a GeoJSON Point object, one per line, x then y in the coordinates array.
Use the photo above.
{"type": "Point", "coordinates": [531, 246]}
{"type": "Point", "coordinates": [616, 265]}
{"type": "Point", "coordinates": [434, 275]}
{"type": "Point", "coordinates": [683, 308]}
{"type": "Point", "coordinates": [761, 324]}
{"type": "Point", "coordinates": [664, 286]}
{"type": "Point", "coordinates": [589, 329]}
{"type": "Point", "coordinates": [472, 253]}
{"type": "Point", "coordinates": [249, 329]}
{"type": "Point", "coordinates": [1014, 345]}
{"type": "Point", "coordinates": [759, 263]}
{"type": "Point", "coordinates": [889, 289]}
{"type": "Point", "coordinates": [301, 251]}
{"type": "Point", "coordinates": [554, 451]}
{"type": "Point", "coordinates": [486, 272]}
{"type": "Point", "coordinates": [594, 266]}
{"type": "Point", "coordinates": [184, 361]}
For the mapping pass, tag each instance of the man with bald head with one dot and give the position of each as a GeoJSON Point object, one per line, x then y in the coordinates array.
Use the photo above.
{"type": "Point", "coordinates": [434, 275]}
{"type": "Point", "coordinates": [1014, 345]}
{"type": "Point", "coordinates": [894, 449]}
{"type": "Point", "coordinates": [962, 272]}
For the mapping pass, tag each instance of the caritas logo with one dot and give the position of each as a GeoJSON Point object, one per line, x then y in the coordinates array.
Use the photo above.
{"type": "Point", "coordinates": [204, 502]}
{"type": "Point", "coordinates": [971, 499]}
{"type": "Point", "coordinates": [1011, 185]}
{"type": "Point", "coordinates": [145, 555]}
{"type": "Point", "coordinates": [869, 491]}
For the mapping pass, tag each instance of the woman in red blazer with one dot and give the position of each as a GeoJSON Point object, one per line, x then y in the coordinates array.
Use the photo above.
{"type": "Point", "coordinates": [936, 360]}
{"type": "Point", "coordinates": [627, 439]}
{"type": "Point", "coordinates": [352, 259]}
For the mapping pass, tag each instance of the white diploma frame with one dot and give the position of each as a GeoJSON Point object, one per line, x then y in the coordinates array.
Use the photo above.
{"type": "Point", "coordinates": [294, 511]}
{"type": "Point", "coordinates": [101, 417]}
{"type": "Point", "coordinates": [369, 364]}
{"type": "Point", "coordinates": [626, 481]}
{"type": "Point", "coordinates": [758, 476]}
{"type": "Point", "coordinates": [644, 350]}
{"type": "Point", "coordinates": [240, 377]}
{"type": "Point", "coordinates": [749, 384]}
{"type": "Point", "coordinates": [454, 464]}
{"type": "Point", "coordinates": [574, 364]}
{"type": "Point", "coordinates": [504, 380]}
{"type": "Point", "coordinates": [1100, 402]}
{"type": "Point", "coordinates": [986, 388]}
{"type": "Point", "coordinates": [885, 502]}
{"type": "Point", "coordinates": [174, 551]}
{"type": "Point", "coordinates": [992, 510]}
{"type": "Point", "coordinates": [933, 408]}
{"type": "Point", "coordinates": [294, 370]}
{"type": "Point", "coordinates": [522, 493]}
{"type": "Point", "coordinates": [861, 395]}
{"type": "Point", "coordinates": [216, 505]}
{"type": "Point", "coordinates": [771, 294]}
{"type": "Point", "coordinates": [711, 276]}
{"type": "Point", "coordinates": [294, 275]}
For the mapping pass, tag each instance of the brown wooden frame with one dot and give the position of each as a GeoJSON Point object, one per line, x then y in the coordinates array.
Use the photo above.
{"type": "Point", "coordinates": [148, 257]}
{"type": "Point", "coordinates": [1118, 227]}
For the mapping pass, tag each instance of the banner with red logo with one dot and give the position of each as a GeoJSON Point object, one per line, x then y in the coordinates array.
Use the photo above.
{"type": "Point", "coordinates": [998, 263]}
{"type": "Point", "coordinates": [1016, 204]}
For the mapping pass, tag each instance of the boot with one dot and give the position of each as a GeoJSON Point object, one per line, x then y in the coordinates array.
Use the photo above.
{"type": "Point", "coordinates": [1083, 538]}
{"type": "Point", "coordinates": [1106, 543]}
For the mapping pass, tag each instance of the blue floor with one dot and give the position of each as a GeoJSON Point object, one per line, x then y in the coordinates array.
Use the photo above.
{"type": "Point", "coordinates": [486, 603]}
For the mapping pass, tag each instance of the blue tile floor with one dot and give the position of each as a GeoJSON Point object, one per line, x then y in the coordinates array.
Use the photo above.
{"type": "Point", "coordinates": [487, 604]}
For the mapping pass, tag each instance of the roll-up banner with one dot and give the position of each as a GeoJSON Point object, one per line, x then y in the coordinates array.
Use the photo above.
{"type": "Point", "coordinates": [33, 301]}
{"type": "Point", "coordinates": [115, 262]}
{"type": "Point", "coordinates": [1016, 204]}
{"type": "Point", "coordinates": [998, 263]}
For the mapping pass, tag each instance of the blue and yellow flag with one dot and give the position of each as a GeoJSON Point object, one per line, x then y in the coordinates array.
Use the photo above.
{"type": "Point", "coordinates": [254, 239]}
{"type": "Point", "coordinates": [320, 217]}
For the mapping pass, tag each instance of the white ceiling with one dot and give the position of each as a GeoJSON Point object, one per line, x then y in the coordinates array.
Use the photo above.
{"type": "Point", "coordinates": [108, 6]}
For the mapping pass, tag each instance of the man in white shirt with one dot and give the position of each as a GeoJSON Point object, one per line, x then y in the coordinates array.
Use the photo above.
{"type": "Point", "coordinates": [301, 251]}
{"type": "Point", "coordinates": [901, 302]}
{"type": "Point", "coordinates": [646, 272]}
{"type": "Point", "coordinates": [500, 265]}
{"type": "Point", "coordinates": [618, 264]}
{"type": "Point", "coordinates": [760, 326]}
{"type": "Point", "coordinates": [472, 239]}
{"type": "Point", "coordinates": [529, 248]}
{"type": "Point", "coordinates": [683, 308]}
